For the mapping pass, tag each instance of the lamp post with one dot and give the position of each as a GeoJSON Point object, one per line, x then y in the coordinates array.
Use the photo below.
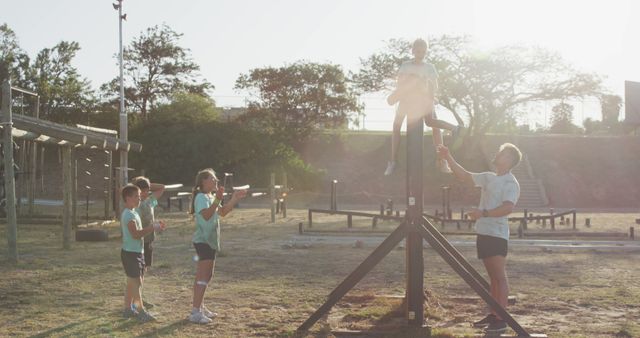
{"type": "Point", "coordinates": [124, 160]}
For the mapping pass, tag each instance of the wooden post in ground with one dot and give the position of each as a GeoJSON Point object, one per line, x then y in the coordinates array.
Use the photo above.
{"type": "Point", "coordinates": [74, 192]}
{"type": "Point", "coordinates": [415, 260]}
{"type": "Point", "coordinates": [33, 177]}
{"type": "Point", "coordinates": [21, 176]}
{"type": "Point", "coordinates": [42, 168]}
{"type": "Point", "coordinates": [9, 175]}
{"type": "Point", "coordinates": [272, 192]}
{"type": "Point", "coordinates": [109, 185]}
{"type": "Point", "coordinates": [285, 195]}
{"type": "Point", "coordinates": [67, 192]}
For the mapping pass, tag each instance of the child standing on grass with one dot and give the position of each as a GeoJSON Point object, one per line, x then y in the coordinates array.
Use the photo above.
{"type": "Point", "coordinates": [149, 195]}
{"type": "Point", "coordinates": [206, 209]}
{"type": "Point", "coordinates": [132, 254]}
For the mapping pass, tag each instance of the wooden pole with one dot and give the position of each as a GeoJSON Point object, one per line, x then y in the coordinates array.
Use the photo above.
{"type": "Point", "coordinates": [21, 176]}
{"type": "Point", "coordinates": [110, 185]}
{"type": "Point", "coordinates": [67, 192]}
{"type": "Point", "coordinates": [41, 168]}
{"type": "Point", "coordinates": [74, 191]}
{"type": "Point", "coordinates": [107, 187]}
{"type": "Point", "coordinates": [9, 175]}
{"type": "Point", "coordinates": [415, 259]}
{"type": "Point", "coordinates": [272, 191]}
{"type": "Point", "coordinates": [33, 178]}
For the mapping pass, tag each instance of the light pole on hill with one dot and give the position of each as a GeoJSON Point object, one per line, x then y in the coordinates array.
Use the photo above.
{"type": "Point", "coordinates": [124, 160]}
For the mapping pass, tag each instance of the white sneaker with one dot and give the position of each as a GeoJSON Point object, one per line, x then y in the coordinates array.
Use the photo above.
{"type": "Point", "coordinates": [208, 313]}
{"type": "Point", "coordinates": [199, 318]}
{"type": "Point", "coordinates": [391, 166]}
{"type": "Point", "coordinates": [444, 166]}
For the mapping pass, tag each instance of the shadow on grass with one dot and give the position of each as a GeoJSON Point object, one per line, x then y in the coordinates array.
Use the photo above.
{"type": "Point", "coordinates": [62, 328]}
{"type": "Point", "coordinates": [166, 330]}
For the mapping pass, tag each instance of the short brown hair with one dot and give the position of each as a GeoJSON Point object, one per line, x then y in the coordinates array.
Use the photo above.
{"type": "Point", "coordinates": [129, 190]}
{"type": "Point", "coordinates": [514, 152]}
{"type": "Point", "coordinates": [142, 182]}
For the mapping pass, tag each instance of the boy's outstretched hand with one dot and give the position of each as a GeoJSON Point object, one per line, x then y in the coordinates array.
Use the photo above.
{"type": "Point", "coordinates": [240, 194]}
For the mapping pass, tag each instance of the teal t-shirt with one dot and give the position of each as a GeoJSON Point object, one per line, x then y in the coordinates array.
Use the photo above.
{"type": "Point", "coordinates": [128, 242]}
{"type": "Point", "coordinates": [207, 231]}
{"type": "Point", "coordinates": [145, 210]}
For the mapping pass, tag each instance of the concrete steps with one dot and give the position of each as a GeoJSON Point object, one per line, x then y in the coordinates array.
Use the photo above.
{"type": "Point", "coordinates": [532, 193]}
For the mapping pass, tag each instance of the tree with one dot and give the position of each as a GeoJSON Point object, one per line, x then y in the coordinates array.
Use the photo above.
{"type": "Point", "coordinates": [186, 107]}
{"type": "Point", "coordinates": [487, 86]}
{"type": "Point", "coordinates": [610, 108]}
{"type": "Point", "coordinates": [155, 67]}
{"type": "Point", "coordinates": [562, 119]}
{"type": "Point", "coordinates": [14, 62]}
{"type": "Point", "coordinates": [293, 101]}
{"type": "Point", "coordinates": [64, 95]}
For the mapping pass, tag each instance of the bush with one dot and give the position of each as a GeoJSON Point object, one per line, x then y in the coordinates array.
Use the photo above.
{"type": "Point", "coordinates": [173, 151]}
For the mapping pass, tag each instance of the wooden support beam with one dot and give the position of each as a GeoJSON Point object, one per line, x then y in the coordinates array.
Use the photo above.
{"type": "Point", "coordinates": [67, 187]}
{"type": "Point", "coordinates": [50, 129]}
{"type": "Point", "coordinates": [367, 265]}
{"type": "Point", "coordinates": [10, 183]}
{"type": "Point", "coordinates": [469, 279]}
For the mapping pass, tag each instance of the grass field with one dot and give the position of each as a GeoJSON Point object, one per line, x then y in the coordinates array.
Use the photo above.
{"type": "Point", "coordinates": [264, 286]}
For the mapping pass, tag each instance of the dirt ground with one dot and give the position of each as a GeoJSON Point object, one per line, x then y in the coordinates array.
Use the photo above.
{"type": "Point", "coordinates": [268, 280]}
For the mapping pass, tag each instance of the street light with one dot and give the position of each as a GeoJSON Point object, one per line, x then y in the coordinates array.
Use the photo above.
{"type": "Point", "coordinates": [124, 161]}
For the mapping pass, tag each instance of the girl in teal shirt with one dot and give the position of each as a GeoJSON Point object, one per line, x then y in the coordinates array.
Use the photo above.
{"type": "Point", "coordinates": [206, 209]}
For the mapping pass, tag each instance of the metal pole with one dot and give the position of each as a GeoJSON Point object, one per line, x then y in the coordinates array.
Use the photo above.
{"type": "Point", "coordinates": [124, 160]}
{"type": "Point", "coordinates": [9, 176]}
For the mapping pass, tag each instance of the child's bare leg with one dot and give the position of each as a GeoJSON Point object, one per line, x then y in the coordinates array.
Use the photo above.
{"type": "Point", "coordinates": [137, 293]}
{"type": "Point", "coordinates": [129, 296]}
{"type": "Point", "coordinates": [204, 273]}
{"type": "Point", "coordinates": [395, 137]}
{"type": "Point", "coordinates": [436, 135]}
{"type": "Point", "coordinates": [431, 121]}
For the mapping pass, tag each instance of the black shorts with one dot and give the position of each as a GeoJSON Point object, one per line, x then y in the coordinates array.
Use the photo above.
{"type": "Point", "coordinates": [133, 263]}
{"type": "Point", "coordinates": [204, 252]}
{"type": "Point", "coordinates": [148, 253]}
{"type": "Point", "coordinates": [489, 246]}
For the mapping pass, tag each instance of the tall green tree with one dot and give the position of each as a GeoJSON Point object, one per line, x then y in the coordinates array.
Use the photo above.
{"type": "Point", "coordinates": [14, 62]}
{"type": "Point", "coordinates": [186, 107]}
{"type": "Point", "coordinates": [485, 86]}
{"type": "Point", "coordinates": [293, 101]}
{"type": "Point", "coordinates": [156, 66]}
{"type": "Point", "coordinates": [65, 96]}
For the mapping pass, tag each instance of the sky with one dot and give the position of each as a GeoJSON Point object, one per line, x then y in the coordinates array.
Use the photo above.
{"type": "Point", "coordinates": [231, 37]}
